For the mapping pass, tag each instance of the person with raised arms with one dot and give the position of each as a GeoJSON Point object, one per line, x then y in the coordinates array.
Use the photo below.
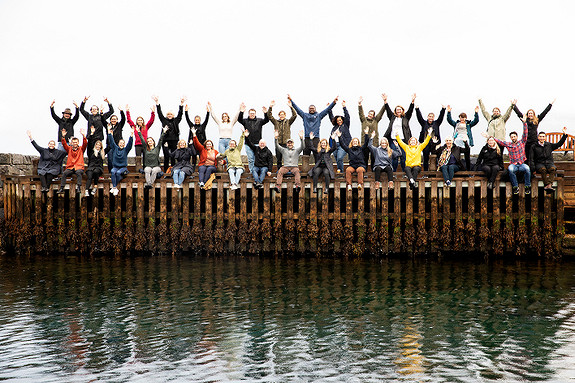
{"type": "Point", "coordinates": [398, 125]}
{"type": "Point", "coordinates": [448, 159]}
{"type": "Point", "coordinates": [172, 136]}
{"type": "Point", "coordinates": [75, 161]}
{"type": "Point", "coordinates": [533, 121]}
{"type": "Point", "coordinates": [496, 121]}
{"type": "Point", "coordinates": [50, 164]}
{"type": "Point", "coordinates": [119, 158]}
{"type": "Point", "coordinates": [291, 164]}
{"type": "Point", "coordinates": [356, 155]}
{"type": "Point", "coordinates": [462, 135]}
{"type": "Point", "coordinates": [254, 126]}
{"type": "Point", "coordinates": [151, 155]}
{"type": "Point", "coordinates": [97, 119]}
{"type": "Point", "coordinates": [66, 122]}
{"type": "Point", "coordinates": [233, 156]}
{"type": "Point", "coordinates": [225, 126]}
{"type": "Point", "coordinates": [95, 167]}
{"type": "Point", "coordinates": [412, 152]}
{"type": "Point", "coordinates": [208, 160]}
{"type": "Point", "coordinates": [426, 124]}
{"type": "Point", "coordinates": [282, 126]}
{"type": "Point", "coordinates": [341, 128]}
{"type": "Point", "coordinates": [140, 145]}
{"type": "Point", "coordinates": [198, 125]}
{"type": "Point", "coordinates": [371, 122]}
{"type": "Point", "coordinates": [383, 156]}
{"type": "Point", "coordinates": [541, 159]}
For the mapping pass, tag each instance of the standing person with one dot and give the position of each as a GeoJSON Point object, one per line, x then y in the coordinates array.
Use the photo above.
{"type": "Point", "coordinates": [172, 136]}
{"type": "Point", "coordinates": [517, 158]}
{"type": "Point", "coordinates": [263, 160]}
{"type": "Point", "coordinates": [462, 133]}
{"type": "Point", "coordinates": [413, 156]}
{"type": "Point", "coordinates": [151, 156]}
{"type": "Point", "coordinates": [383, 156]}
{"type": "Point", "coordinates": [183, 167]}
{"type": "Point", "coordinates": [208, 159]}
{"type": "Point", "coordinates": [290, 154]}
{"type": "Point", "coordinates": [496, 121]}
{"type": "Point", "coordinates": [398, 125]}
{"type": "Point", "coordinates": [95, 167]}
{"type": "Point", "coordinates": [282, 126]}
{"type": "Point", "coordinates": [490, 161]}
{"type": "Point", "coordinates": [541, 159]}
{"type": "Point", "coordinates": [198, 125]}
{"type": "Point", "coordinates": [430, 123]}
{"type": "Point", "coordinates": [50, 164]}
{"type": "Point", "coordinates": [119, 155]}
{"type": "Point", "coordinates": [140, 145]}
{"type": "Point", "coordinates": [371, 123]}
{"type": "Point", "coordinates": [233, 157]}
{"type": "Point", "coordinates": [323, 161]}
{"type": "Point", "coordinates": [75, 162]}
{"type": "Point", "coordinates": [311, 124]}
{"type": "Point", "coordinates": [97, 120]}
{"type": "Point", "coordinates": [356, 155]}
{"type": "Point", "coordinates": [225, 127]}
{"type": "Point", "coordinates": [66, 122]}
{"type": "Point", "coordinates": [449, 159]}
{"type": "Point", "coordinates": [254, 126]}
{"type": "Point", "coordinates": [341, 128]}
{"type": "Point", "coordinates": [533, 121]}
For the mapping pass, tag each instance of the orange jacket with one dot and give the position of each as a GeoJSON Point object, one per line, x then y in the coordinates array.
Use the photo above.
{"type": "Point", "coordinates": [75, 157]}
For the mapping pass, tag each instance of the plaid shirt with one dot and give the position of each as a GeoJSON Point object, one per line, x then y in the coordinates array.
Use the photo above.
{"type": "Point", "coordinates": [516, 150]}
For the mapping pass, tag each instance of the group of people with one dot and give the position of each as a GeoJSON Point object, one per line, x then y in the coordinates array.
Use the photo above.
{"type": "Point", "coordinates": [528, 154]}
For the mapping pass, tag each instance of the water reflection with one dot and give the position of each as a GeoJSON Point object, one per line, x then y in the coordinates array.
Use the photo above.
{"type": "Point", "coordinates": [225, 319]}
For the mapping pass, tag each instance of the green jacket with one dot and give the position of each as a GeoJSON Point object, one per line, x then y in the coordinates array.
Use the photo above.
{"type": "Point", "coordinates": [283, 126]}
{"type": "Point", "coordinates": [234, 156]}
{"type": "Point", "coordinates": [371, 124]}
{"type": "Point", "coordinates": [496, 126]}
{"type": "Point", "coordinates": [151, 157]}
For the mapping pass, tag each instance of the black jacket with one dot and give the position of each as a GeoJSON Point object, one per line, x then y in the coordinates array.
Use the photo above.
{"type": "Point", "coordinates": [200, 128]}
{"type": "Point", "coordinates": [254, 126]}
{"type": "Point", "coordinates": [98, 121]}
{"type": "Point", "coordinates": [182, 157]}
{"type": "Point", "coordinates": [356, 153]}
{"type": "Point", "coordinates": [65, 123]}
{"type": "Point", "coordinates": [173, 133]}
{"type": "Point", "coordinates": [425, 125]}
{"type": "Point", "coordinates": [96, 162]}
{"type": "Point", "coordinates": [531, 127]}
{"type": "Point", "coordinates": [543, 155]}
{"type": "Point", "coordinates": [325, 156]}
{"type": "Point", "coordinates": [50, 160]}
{"type": "Point", "coordinates": [404, 122]}
{"type": "Point", "coordinates": [263, 157]}
{"type": "Point", "coordinates": [489, 157]}
{"type": "Point", "coordinates": [455, 152]}
{"type": "Point", "coordinates": [117, 129]}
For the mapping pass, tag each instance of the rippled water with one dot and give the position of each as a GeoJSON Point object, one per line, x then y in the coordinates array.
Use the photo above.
{"type": "Point", "coordinates": [249, 319]}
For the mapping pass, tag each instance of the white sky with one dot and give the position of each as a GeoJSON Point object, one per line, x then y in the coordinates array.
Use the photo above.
{"type": "Point", "coordinates": [229, 51]}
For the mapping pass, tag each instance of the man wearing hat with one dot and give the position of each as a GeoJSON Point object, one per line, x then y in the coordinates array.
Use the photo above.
{"type": "Point", "coordinates": [290, 156]}
{"type": "Point", "coordinates": [65, 123]}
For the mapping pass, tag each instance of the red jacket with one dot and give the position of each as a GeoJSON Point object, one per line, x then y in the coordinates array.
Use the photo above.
{"type": "Point", "coordinates": [203, 152]}
{"type": "Point", "coordinates": [75, 157]}
{"type": "Point", "coordinates": [143, 129]}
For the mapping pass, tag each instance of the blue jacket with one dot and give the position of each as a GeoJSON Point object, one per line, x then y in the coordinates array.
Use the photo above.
{"type": "Point", "coordinates": [312, 122]}
{"type": "Point", "coordinates": [119, 157]}
{"type": "Point", "coordinates": [344, 128]}
{"type": "Point", "coordinates": [468, 124]}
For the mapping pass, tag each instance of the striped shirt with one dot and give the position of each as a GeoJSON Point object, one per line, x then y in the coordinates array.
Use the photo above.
{"type": "Point", "coordinates": [516, 150]}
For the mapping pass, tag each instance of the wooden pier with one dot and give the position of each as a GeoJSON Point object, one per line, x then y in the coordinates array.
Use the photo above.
{"type": "Point", "coordinates": [432, 219]}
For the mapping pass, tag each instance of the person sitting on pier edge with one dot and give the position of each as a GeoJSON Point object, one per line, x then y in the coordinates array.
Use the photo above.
{"type": "Point", "coordinates": [490, 161]}
{"type": "Point", "coordinates": [151, 156]}
{"type": "Point", "coordinates": [290, 154]}
{"type": "Point", "coordinates": [233, 155]}
{"type": "Point", "coordinates": [323, 161]}
{"type": "Point", "coordinates": [208, 159]}
{"type": "Point", "coordinates": [117, 128]}
{"type": "Point", "coordinates": [356, 158]}
{"type": "Point", "coordinates": [140, 145]}
{"type": "Point", "coordinates": [311, 124]}
{"type": "Point", "coordinates": [370, 122]}
{"type": "Point", "coordinates": [462, 135]}
{"type": "Point", "coordinates": [430, 123]}
{"type": "Point", "coordinates": [95, 167]}
{"type": "Point", "coordinates": [97, 120]}
{"type": "Point", "coordinates": [282, 126]}
{"type": "Point", "coordinates": [517, 158]}
{"type": "Point", "coordinates": [541, 159]}
{"type": "Point", "coordinates": [496, 121]}
{"type": "Point", "coordinates": [75, 162]}
{"type": "Point", "coordinates": [341, 128]}
{"type": "Point", "coordinates": [50, 164]}
{"type": "Point", "coordinates": [533, 121]}
{"type": "Point", "coordinates": [225, 127]}
{"type": "Point", "coordinates": [66, 122]}
{"type": "Point", "coordinates": [254, 127]}
{"type": "Point", "coordinates": [200, 128]}
{"type": "Point", "coordinates": [119, 157]}
{"type": "Point", "coordinates": [398, 125]}
{"type": "Point", "coordinates": [413, 157]}
{"type": "Point", "coordinates": [183, 167]}
{"type": "Point", "coordinates": [383, 158]}
{"type": "Point", "coordinates": [449, 159]}
{"type": "Point", "coordinates": [263, 161]}
{"type": "Point", "coordinates": [172, 136]}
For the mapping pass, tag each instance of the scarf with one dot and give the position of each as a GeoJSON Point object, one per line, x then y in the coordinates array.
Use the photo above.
{"type": "Point", "coordinates": [444, 158]}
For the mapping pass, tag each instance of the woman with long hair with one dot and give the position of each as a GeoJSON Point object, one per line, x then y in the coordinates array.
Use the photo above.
{"type": "Point", "coordinates": [323, 162]}
{"type": "Point", "coordinates": [490, 161]}
{"type": "Point", "coordinates": [398, 125]}
{"type": "Point", "coordinates": [183, 167]}
{"type": "Point", "coordinates": [118, 156]}
{"type": "Point", "coordinates": [462, 135]}
{"type": "Point", "coordinates": [357, 163]}
{"type": "Point", "coordinates": [208, 159]}
{"type": "Point", "coordinates": [95, 167]}
{"type": "Point", "coordinates": [533, 121]}
{"type": "Point", "coordinates": [139, 144]}
{"type": "Point", "coordinates": [225, 126]}
{"type": "Point", "coordinates": [341, 125]}
{"type": "Point", "coordinates": [172, 136]}
{"type": "Point", "coordinates": [233, 157]}
{"type": "Point", "coordinates": [151, 156]}
{"type": "Point", "coordinates": [383, 160]}
{"type": "Point", "coordinates": [413, 152]}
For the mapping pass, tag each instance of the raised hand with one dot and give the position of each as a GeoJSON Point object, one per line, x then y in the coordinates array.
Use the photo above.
{"type": "Point", "coordinates": [413, 98]}
{"type": "Point", "coordinates": [242, 107]}
{"type": "Point", "coordinates": [343, 103]}
{"type": "Point", "coordinates": [301, 134]}
{"type": "Point", "coordinates": [552, 102]}
{"type": "Point", "coordinates": [269, 174]}
{"type": "Point", "coordinates": [514, 101]}
{"type": "Point", "coordinates": [311, 135]}
{"type": "Point", "coordinates": [338, 133]}
{"type": "Point", "coordinates": [333, 136]}
{"type": "Point", "coordinates": [366, 130]}
{"type": "Point", "coordinates": [289, 97]}
{"type": "Point", "coordinates": [276, 134]}
{"type": "Point", "coordinates": [92, 130]}
{"type": "Point", "coordinates": [429, 131]}
{"type": "Point", "coordinates": [109, 128]}
{"type": "Point", "coordinates": [75, 103]}
{"type": "Point", "coordinates": [384, 97]}
{"type": "Point", "coordinates": [120, 108]}
{"type": "Point", "coordinates": [209, 106]}
{"type": "Point", "coordinates": [153, 108]}
{"type": "Point", "coordinates": [86, 98]}
{"type": "Point", "coordinates": [360, 100]}
{"type": "Point", "coordinates": [564, 130]}
{"type": "Point", "coordinates": [194, 130]}
{"type": "Point", "coordinates": [165, 129]}
{"type": "Point", "coordinates": [156, 99]}
{"type": "Point", "coordinates": [246, 132]}
{"type": "Point", "coordinates": [52, 104]}
{"type": "Point", "coordinates": [182, 100]}
{"type": "Point", "coordinates": [449, 108]}
{"type": "Point", "coordinates": [29, 133]}
{"type": "Point", "coordinates": [127, 108]}
{"type": "Point", "coordinates": [264, 109]}
{"type": "Point", "coordinates": [137, 128]}
{"type": "Point", "coordinates": [435, 140]}
{"type": "Point", "coordinates": [83, 132]}
{"type": "Point", "coordinates": [272, 104]}
{"type": "Point", "coordinates": [476, 109]}
{"type": "Point", "coordinates": [64, 132]}
{"type": "Point", "coordinates": [106, 100]}
{"type": "Point", "coordinates": [372, 134]}
{"type": "Point", "coordinates": [186, 108]}
{"type": "Point", "coordinates": [336, 98]}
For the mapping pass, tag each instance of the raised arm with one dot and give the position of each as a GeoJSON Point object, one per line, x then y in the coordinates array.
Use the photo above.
{"type": "Point", "coordinates": [361, 114]}
{"type": "Point", "coordinates": [346, 117]}
{"type": "Point", "coordinates": [450, 120]}
{"type": "Point", "coordinates": [545, 111]}
{"type": "Point", "coordinates": [517, 111]}
{"type": "Point", "coordinates": [129, 118]}
{"type": "Point", "coordinates": [297, 109]}
{"type": "Point", "coordinates": [83, 109]}
{"type": "Point", "coordinates": [151, 120]}
{"type": "Point", "coordinates": [561, 141]}
{"type": "Point", "coordinates": [55, 116]}
{"type": "Point", "coordinates": [420, 118]}
{"type": "Point", "coordinates": [205, 123]}
{"type": "Point", "coordinates": [324, 112]}
{"type": "Point", "coordinates": [507, 113]}
{"type": "Point", "coordinates": [190, 123]}
{"type": "Point", "coordinates": [483, 111]}
{"type": "Point", "coordinates": [409, 112]}
{"type": "Point", "coordinates": [475, 120]}
{"type": "Point", "coordinates": [293, 115]}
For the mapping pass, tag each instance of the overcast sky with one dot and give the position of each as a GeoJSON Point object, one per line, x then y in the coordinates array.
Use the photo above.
{"type": "Point", "coordinates": [229, 51]}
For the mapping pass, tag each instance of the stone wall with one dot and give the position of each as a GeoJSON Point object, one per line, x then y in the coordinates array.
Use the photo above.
{"type": "Point", "coordinates": [18, 164]}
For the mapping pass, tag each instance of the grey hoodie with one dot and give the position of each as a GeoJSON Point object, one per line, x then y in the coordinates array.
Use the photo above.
{"type": "Point", "coordinates": [290, 157]}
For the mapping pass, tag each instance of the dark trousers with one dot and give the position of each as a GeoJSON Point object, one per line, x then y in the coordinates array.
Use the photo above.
{"type": "Point", "coordinates": [172, 145]}
{"type": "Point", "coordinates": [412, 172]}
{"type": "Point", "coordinates": [547, 173]}
{"type": "Point", "coordinates": [320, 170]}
{"type": "Point", "coordinates": [93, 176]}
{"type": "Point", "coordinates": [426, 153]}
{"type": "Point", "coordinates": [490, 172]}
{"type": "Point", "coordinates": [308, 143]}
{"type": "Point", "coordinates": [467, 154]}
{"type": "Point", "coordinates": [69, 173]}
{"type": "Point", "coordinates": [388, 170]}
{"type": "Point", "coordinates": [46, 179]}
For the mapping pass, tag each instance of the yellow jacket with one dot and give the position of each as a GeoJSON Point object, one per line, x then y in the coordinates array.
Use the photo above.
{"type": "Point", "coordinates": [413, 153]}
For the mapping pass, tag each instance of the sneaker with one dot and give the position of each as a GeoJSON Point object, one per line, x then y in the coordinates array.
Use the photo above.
{"type": "Point", "coordinates": [315, 190]}
{"type": "Point", "coordinates": [489, 185]}
{"type": "Point", "coordinates": [338, 171]}
{"type": "Point", "coordinates": [527, 190]}
{"type": "Point", "coordinates": [448, 183]}
{"type": "Point", "coordinates": [87, 193]}
{"type": "Point", "coordinates": [298, 189]}
{"type": "Point", "coordinates": [201, 184]}
{"type": "Point", "coordinates": [325, 191]}
{"type": "Point", "coordinates": [94, 191]}
{"type": "Point", "coordinates": [349, 187]}
{"type": "Point", "coordinates": [277, 190]}
{"type": "Point", "coordinates": [515, 190]}
{"type": "Point", "coordinates": [359, 186]}
{"type": "Point", "coordinates": [411, 185]}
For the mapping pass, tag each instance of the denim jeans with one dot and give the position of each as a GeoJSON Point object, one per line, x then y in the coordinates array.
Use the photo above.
{"type": "Point", "coordinates": [205, 171]}
{"type": "Point", "coordinates": [259, 174]}
{"type": "Point", "coordinates": [449, 171]}
{"type": "Point", "coordinates": [339, 156]}
{"type": "Point", "coordinates": [117, 174]}
{"type": "Point", "coordinates": [235, 174]}
{"type": "Point", "coordinates": [397, 160]}
{"type": "Point", "coordinates": [251, 158]}
{"type": "Point", "coordinates": [179, 176]}
{"type": "Point", "coordinates": [513, 169]}
{"type": "Point", "coordinates": [223, 144]}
